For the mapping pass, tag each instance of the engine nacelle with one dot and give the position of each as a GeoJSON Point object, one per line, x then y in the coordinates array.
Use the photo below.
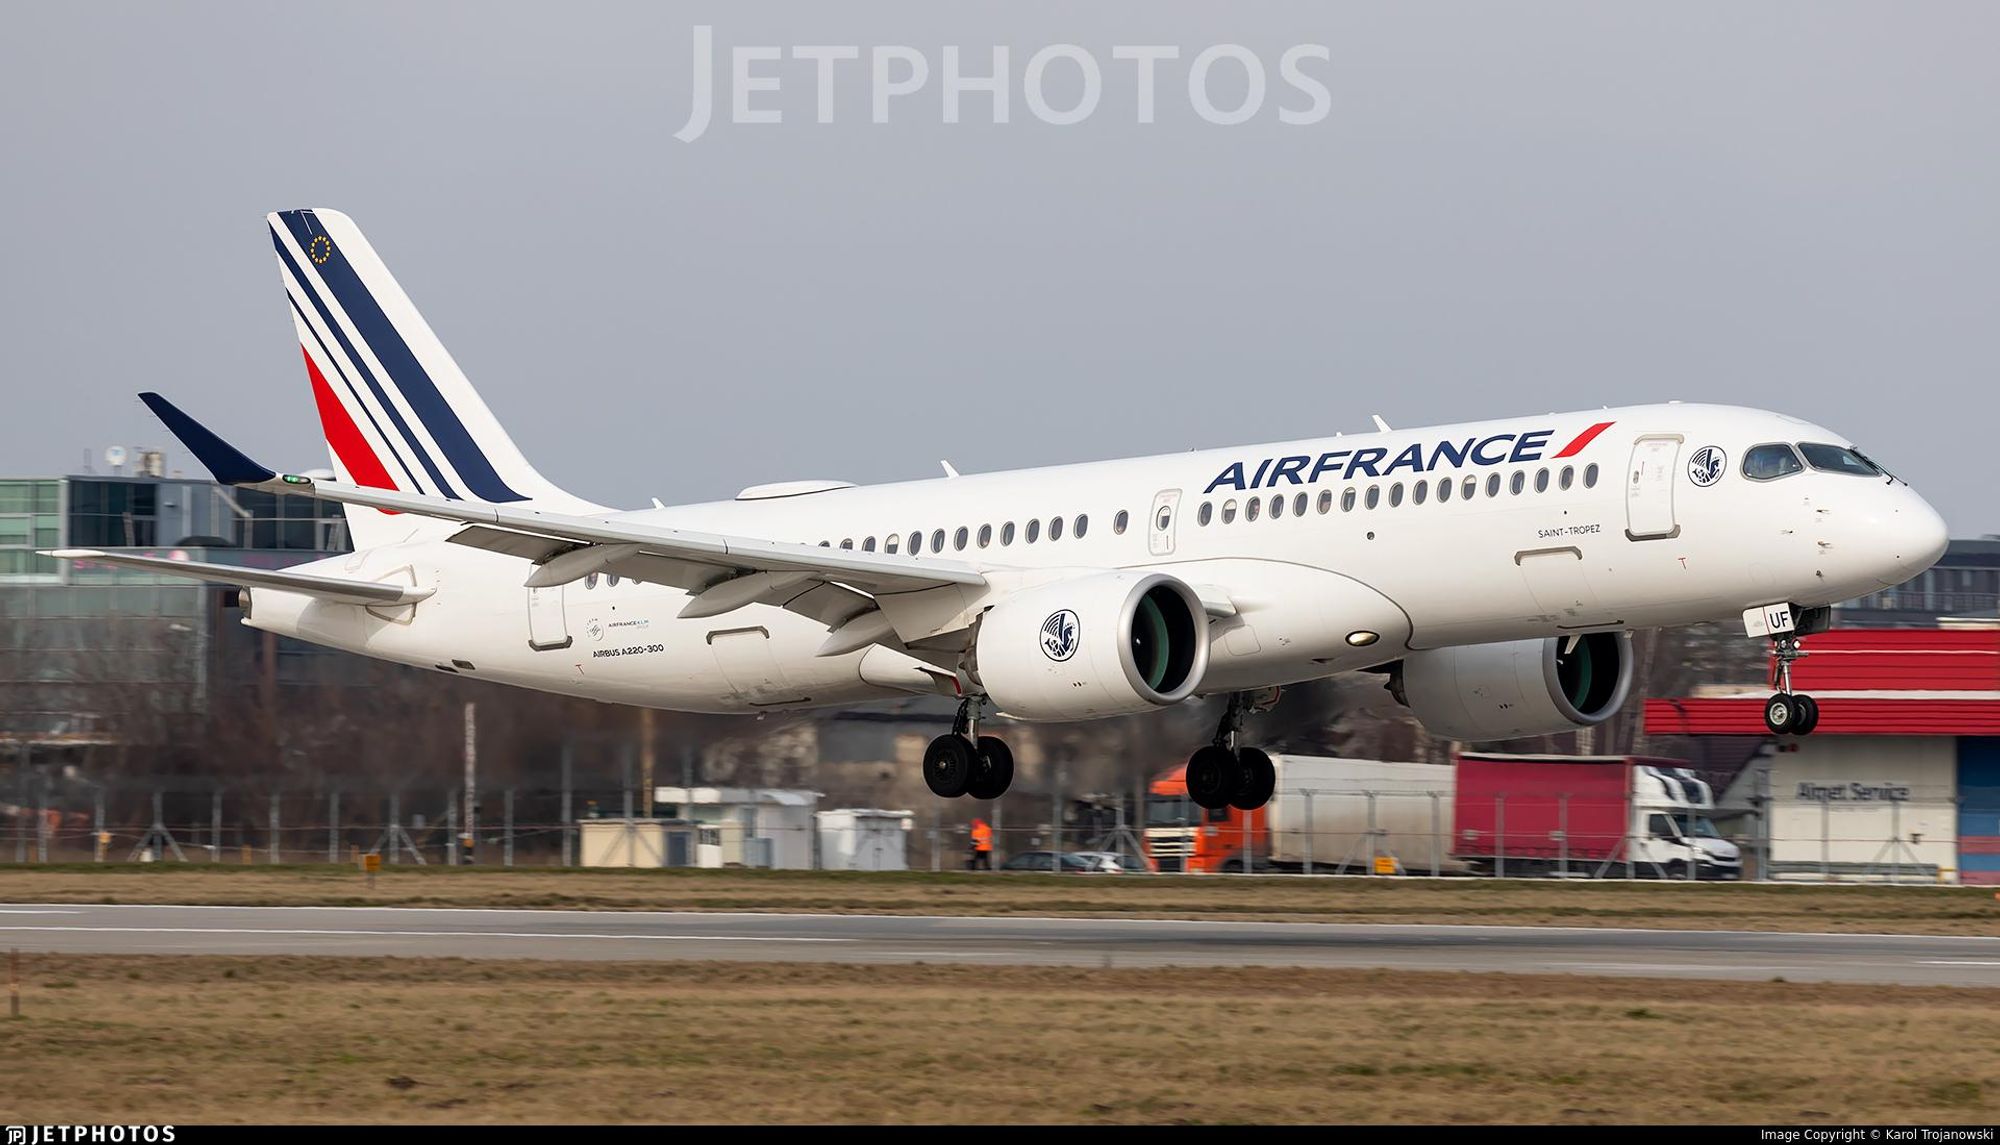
{"type": "Point", "coordinates": [1519, 688]}
{"type": "Point", "coordinates": [1105, 644]}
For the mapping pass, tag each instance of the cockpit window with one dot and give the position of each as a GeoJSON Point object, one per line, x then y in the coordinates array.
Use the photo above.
{"type": "Point", "coordinates": [1838, 459]}
{"type": "Point", "coordinates": [1770, 462]}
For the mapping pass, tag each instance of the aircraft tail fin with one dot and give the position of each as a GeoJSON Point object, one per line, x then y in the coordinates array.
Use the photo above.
{"type": "Point", "coordinates": [397, 411]}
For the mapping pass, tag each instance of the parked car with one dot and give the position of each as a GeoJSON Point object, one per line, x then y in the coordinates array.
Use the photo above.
{"type": "Point", "coordinates": [1105, 862]}
{"type": "Point", "coordinates": [1044, 861]}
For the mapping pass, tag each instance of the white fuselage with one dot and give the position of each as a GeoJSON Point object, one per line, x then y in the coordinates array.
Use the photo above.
{"type": "Point", "coordinates": [1642, 545]}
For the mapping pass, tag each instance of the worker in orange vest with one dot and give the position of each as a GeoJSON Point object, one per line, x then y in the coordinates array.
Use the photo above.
{"type": "Point", "coordinates": [982, 846]}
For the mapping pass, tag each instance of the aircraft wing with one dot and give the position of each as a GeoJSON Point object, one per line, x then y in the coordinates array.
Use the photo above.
{"type": "Point", "coordinates": [566, 547]}
{"type": "Point", "coordinates": [337, 589]}
{"type": "Point", "coordinates": [503, 528]}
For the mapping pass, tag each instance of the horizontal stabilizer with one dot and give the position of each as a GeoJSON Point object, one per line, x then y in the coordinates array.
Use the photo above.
{"type": "Point", "coordinates": [328, 588]}
{"type": "Point", "coordinates": [222, 459]}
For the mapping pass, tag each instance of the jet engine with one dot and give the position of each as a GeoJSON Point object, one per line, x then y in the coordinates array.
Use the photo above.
{"type": "Point", "coordinates": [1484, 692]}
{"type": "Point", "coordinates": [1105, 644]}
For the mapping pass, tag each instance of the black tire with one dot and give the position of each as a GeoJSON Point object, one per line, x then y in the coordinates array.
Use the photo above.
{"type": "Point", "coordinates": [1213, 777]}
{"type": "Point", "coordinates": [1781, 714]}
{"type": "Point", "coordinates": [1808, 715]}
{"type": "Point", "coordinates": [948, 765]}
{"type": "Point", "coordinates": [1259, 779]}
{"type": "Point", "coordinates": [992, 769]}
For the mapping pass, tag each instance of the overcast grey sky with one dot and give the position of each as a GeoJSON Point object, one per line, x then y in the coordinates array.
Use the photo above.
{"type": "Point", "coordinates": [1509, 209]}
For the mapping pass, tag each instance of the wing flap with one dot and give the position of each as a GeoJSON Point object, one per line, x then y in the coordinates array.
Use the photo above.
{"type": "Point", "coordinates": [335, 589]}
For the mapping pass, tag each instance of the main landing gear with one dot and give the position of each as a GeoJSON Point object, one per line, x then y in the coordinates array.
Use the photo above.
{"type": "Point", "coordinates": [963, 762]}
{"type": "Point", "coordinates": [1226, 775]}
{"type": "Point", "coordinates": [1788, 713]}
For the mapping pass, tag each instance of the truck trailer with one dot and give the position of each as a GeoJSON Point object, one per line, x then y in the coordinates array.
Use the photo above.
{"type": "Point", "coordinates": [1484, 814]}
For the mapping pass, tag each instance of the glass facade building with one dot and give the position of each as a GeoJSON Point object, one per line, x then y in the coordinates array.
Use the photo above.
{"type": "Point", "coordinates": [99, 651]}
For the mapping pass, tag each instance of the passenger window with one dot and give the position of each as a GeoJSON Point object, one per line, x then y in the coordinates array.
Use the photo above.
{"type": "Point", "coordinates": [1517, 482]}
{"type": "Point", "coordinates": [1202, 515]}
{"type": "Point", "coordinates": [1082, 526]}
{"type": "Point", "coordinates": [985, 535]}
{"type": "Point", "coordinates": [1007, 534]}
{"type": "Point", "coordinates": [1568, 476]}
{"type": "Point", "coordinates": [1229, 511]}
{"type": "Point", "coordinates": [847, 542]}
{"type": "Point", "coordinates": [1420, 492]}
{"type": "Point", "coordinates": [1325, 502]}
{"type": "Point", "coordinates": [937, 540]}
{"type": "Point", "coordinates": [1395, 494]}
{"type": "Point", "coordinates": [1770, 462]}
{"type": "Point", "coordinates": [1252, 507]}
{"type": "Point", "coordinates": [1277, 507]}
{"type": "Point", "coordinates": [1299, 505]}
{"type": "Point", "coordinates": [1055, 528]}
{"type": "Point", "coordinates": [1471, 487]}
{"type": "Point", "coordinates": [868, 546]}
{"type": "Point", "coordinates": [1590, 476]}
{"type": "Point", "coordinates": [1118, 523]}
{"type": "Point", "coordinates": [611, 581]}
{"type": "Point", "coordinates": [916, 543]}
{"type": "Point", "coordinates": [959, 538]}
{"type": "Point", "coordinates": [1374, 496]}
{"type": "Point", "coordinates": [826, 544]}
{"type": "Point", "coordinates": [1034, 531]}
{"type": "Point", "coordinates": [889, 543]}
{"type": "Point", "coordinates": [1444, 489]}
{"type": "Point", "coordinates": [1347, 500]}
{"type": "Point", "coordinates": [1541, 480]}
{"type": "Point", "coordinates": [590, 581]}
{"type": "Point", "coordinates": [1492, 484]}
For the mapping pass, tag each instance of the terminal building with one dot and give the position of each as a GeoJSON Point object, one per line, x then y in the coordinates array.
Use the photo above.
{"type": "Point", "coordinates": [95, 656]}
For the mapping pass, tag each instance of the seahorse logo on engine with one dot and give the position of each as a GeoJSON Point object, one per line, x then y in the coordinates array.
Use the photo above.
{"type": "Point", "coordinates": [1059, 635]}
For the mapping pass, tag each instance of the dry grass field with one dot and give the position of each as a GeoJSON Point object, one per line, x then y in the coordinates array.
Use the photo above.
{"type": "Point", "coordinates": [1908, 910]}
{"type": "Point", "coordinates": [283, 1039]}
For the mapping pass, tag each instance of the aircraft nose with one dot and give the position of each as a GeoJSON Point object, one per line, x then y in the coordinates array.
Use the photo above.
{"type": "Point", "coordinates": [1914, 536]}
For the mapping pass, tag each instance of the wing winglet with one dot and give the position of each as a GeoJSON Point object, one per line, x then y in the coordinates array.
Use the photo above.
{"type": "Point", "coordinates": [229, 464]}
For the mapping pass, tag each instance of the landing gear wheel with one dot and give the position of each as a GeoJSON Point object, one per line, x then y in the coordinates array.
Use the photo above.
{"type": "Point", "coordinates": [992, 769]}
{"type": "Point", "coordinates": [1808, 717]}
{"type": "Point", "coordinates": [1781, 714]}
{"type": "Point", "coordinates": [948, 766]}
{"type": "Point", "coordinates": [1213, 777]}
{"type": "Point", "coordinates": [1258, 779]}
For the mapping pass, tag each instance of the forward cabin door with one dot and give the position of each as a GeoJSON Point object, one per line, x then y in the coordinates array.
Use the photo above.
{"type": "Point", "coordinates": [547, 630]}
{"type": "Point", "coordinates": [1649, 489]}
{"type": "Point", "coordinates": [1160, 526]}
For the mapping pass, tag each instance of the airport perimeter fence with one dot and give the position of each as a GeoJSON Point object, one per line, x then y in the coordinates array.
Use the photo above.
{"type": "Point", "coordinates": [1891, 834]}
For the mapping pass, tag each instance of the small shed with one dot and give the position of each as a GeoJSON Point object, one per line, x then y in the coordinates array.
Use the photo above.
{"type": "Point", "coordinates": [635, 843]}
{"type": "Point", "coordinates": [746, 826]}
{"type": "Point", "coordinates": [864, 839]}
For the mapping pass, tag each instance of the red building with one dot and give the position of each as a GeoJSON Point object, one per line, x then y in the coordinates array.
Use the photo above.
{"type": "Point", "coordinates": [1900, 780]}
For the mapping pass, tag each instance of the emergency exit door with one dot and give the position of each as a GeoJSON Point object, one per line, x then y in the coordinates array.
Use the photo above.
{"type": "Point", "coordinates": [547, 630]}
{"type": "Point", "coordinates": [1649, 488]}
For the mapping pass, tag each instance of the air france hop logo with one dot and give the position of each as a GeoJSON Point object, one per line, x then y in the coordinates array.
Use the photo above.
{"type": "Point", "coordinates": [1059, 635]}
{"type": "Point", "coordinates": [1705, 467]}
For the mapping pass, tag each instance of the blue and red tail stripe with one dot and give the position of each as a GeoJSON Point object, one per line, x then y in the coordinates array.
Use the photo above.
{"type": "Point", "coordinates": [352, 298]}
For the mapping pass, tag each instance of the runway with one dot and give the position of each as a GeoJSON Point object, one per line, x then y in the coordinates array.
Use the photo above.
{"type": "Point", "coordinates": [426, 933]}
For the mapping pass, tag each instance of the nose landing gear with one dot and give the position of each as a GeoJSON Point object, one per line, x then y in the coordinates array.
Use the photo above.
{"type": "Point", "coordinates": [1786, 712]}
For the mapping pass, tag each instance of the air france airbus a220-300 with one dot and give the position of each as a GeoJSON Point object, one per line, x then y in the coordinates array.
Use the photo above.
{"type": "Point", "coordinates": [1492, 570]}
